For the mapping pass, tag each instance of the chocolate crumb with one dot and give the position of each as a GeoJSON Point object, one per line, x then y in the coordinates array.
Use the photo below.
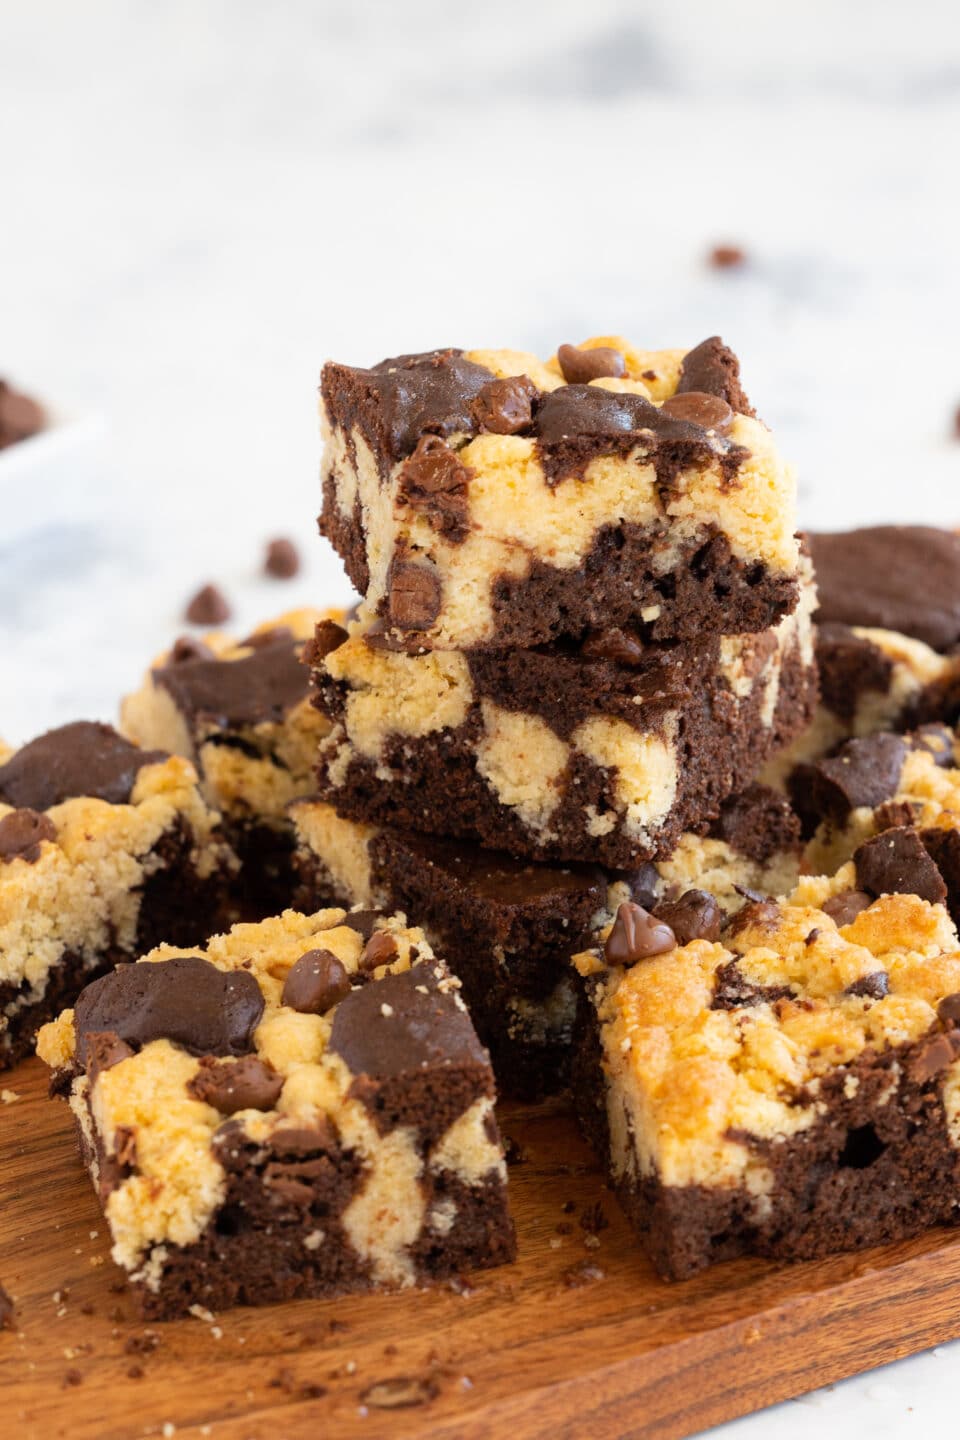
{"type": "Point", "coordinates": [513, 1151]}
{"type": "Point", "coordinates": [143, 1344]}
{"type": "Point", "coordinates": [282, 559]}
{"type": "Point", "coordinates": [209, 606]}
{"type": "Point", "coordinates": [72, 1377]}
{"type": "Point", "coordinates": [135, 1372]}
{"type": "Point", "coordinates": [568, 1207]}
{"type": "Point", "coordinates": [727, 257]}
{"type": "Point", "coordinates": [593, 1220]}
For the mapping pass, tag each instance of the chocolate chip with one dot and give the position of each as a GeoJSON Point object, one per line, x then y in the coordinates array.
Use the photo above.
{"type": "Point", "coordinates": [695, 916]}
{"type": "Point", "coordinates": [186, 1000]}
{"type": "Point", "coordinates": [727, 257]}
{"type": "Point", "coordinates": [872, 987]}
{"type": "Point", "coordinates": [862, 773]}
{"type": "Point", "coordinates": [434, 482]}
{"type": "Point", "coordinates": [414, 594]}
{"type": "Point", "coordinates": [20, 417]}
{"type": "Point", "coordinates": [380, 949]}
{"type": "Point", "coordinates": [282, 559]}
{"type": "Point", "coordinates": [934, 1057]}
{"type": "Point", "coordinates": [948, 1011]}
{"type": "Point", "coordinates": [229, 1086]}
{"type": "Point", "coordinates": [844, 908]}
{"type": "Point", "coordinates": [21, 833]}
{"type": "Point", "coordinates": [104, 1049]}
{"type": "Point", "coordinates": [732, 990]}
{"type": "Point", "coordinates": [709, 411]}
{"type": "Point", "coordinates": [505, 407]}
{"type": "Point", "coordinates": [579, 367]}
{"type": "Point", "coordinates": [327, 637]}
{"type": "Point", "coordinates": [316, 983]}
{"type": "Point", "coordinates": [186, 648]}
{"type": "Point", "coordinates": [636, 935]}
{"type": "Point", "coordinates": [209, 606]}
{"type": "Point", "coordinates": [621, 646]}
{"type": "Point", "coordinates": [78, 759]}
{"type": "Point", "coordinates": [712, 368]}
{"type": "Point", "coordinates": [896, 863]}
{"type": "Point", "coordinates": [363, 921]}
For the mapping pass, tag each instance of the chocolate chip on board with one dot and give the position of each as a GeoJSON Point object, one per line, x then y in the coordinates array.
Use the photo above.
{"type": "Point", "coordinates": [414, 594]}
{"type": "Point", "coordinates": [636, 935]}
{"type": "Point", "coordinates": [895, 863]}
{"type": "Point", "coordinates": [579, 367]}
{"type": "Point", "coordinates": [186, 1000]}
{"type": "Point", "coordinates": [315, 983]}
{"type": "Point", "coordinates": [21, 834]}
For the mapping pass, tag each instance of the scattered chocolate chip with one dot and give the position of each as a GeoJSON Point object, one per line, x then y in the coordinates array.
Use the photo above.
{"type": "Point", "coordinates": [414, 594]}
{"type": "Point", "coordinates": [934, 1056]}
{"type": "Point", "coordinates": [143, 1344]}
{"type": "Point", "coordinates": [104, 1050]}
{"type": "Point", "coordinates": [316, 983]}
{"type": "Point", "coordinates": [20, 417]}
{"type": "Point", "coordinates": [6, 1310]}
{"type": "Point", "coordinates": [621, 646]}
{"type": "Point", "coordinates": [282, 559]}
{"type": "Point", "coordinates": [579, 367]}
{"type": "Point", "coordinates": [21, 834]}
{"type": "Point", "coordinates": [327, 637]}
{"type": "Point", "coordinates": [709, 411]}
{"type": "Point", "coordinates": [187, 648]}
{"type": "Point", "coordinates": [135, 1372]}
{"type": "Point", "coordinates": [844, 908]}
{"type": "Point", "coordinates": [209, 606]}
{"type": "Point", "coordinates": [873, 986]}
{"type": "Point", "coordinates": [363, 921]}
{"type": "Point", "coordinates": [399, 1393]}
{"type": "Point", "coordinates": [695, 916]}
{"type": "Point", "coordinates": [186, 1000]}
{"type": "Point", "coordinates": [505, 407]}
{"type": "Point", "coordinates": [380, 949]}
{"type": "Point", "coordinates": [636, 935]}
{"type": "Point", "coordinates": [83, 758]}
{"type": "Point", "coordinates": [245, 1084]}
{"type": "Point", "coordinates": [895, 862]}
{"type": "Point", "coordinates": [727, 257]}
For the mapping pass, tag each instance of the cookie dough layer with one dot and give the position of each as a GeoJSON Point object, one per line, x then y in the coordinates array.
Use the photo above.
{"type": "Point", "coordinates": [241, 712]}
{"type": "Point", "coordinates": [300, 1109]}
{"type": "Point", "coordinates": [514, 925]}
{"type": "Point", "coordinates": [104, 850]}
{"type": "Point", "coordinates": [478, 500]}
{"type": "Point", "coordinates": [791, 1088]}
{"type": "Point", "coordinates": [558, 754]}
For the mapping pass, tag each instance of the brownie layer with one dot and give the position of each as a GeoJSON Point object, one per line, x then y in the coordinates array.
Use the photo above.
{"type": "Point", "coordinates": [895, 577]}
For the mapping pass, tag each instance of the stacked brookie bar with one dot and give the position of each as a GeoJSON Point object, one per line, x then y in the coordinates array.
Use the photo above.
{"type": "Point", "coordinates": [585, 627]}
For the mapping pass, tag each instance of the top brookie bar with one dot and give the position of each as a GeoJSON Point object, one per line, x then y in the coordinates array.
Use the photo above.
{"type": "Point", "coordinates": [486, 499]}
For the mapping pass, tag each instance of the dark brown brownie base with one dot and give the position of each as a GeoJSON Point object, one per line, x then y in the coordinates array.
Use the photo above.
{"type": "Point", "coordinates": [867, 1173]}
{"type": "Point", "coordinates": [708, 591]}
{"type": "Point", "coordinates": [268, 879]}
{"type": "Point", "coordinates": [442, 792]}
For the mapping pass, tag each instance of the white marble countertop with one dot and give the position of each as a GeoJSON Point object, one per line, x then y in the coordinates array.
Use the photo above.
{"type": "Point", "coordinates": [202, 200]}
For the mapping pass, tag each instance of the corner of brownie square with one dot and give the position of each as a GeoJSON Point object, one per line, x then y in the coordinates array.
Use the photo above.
{"type": "Point", "coordinates": [488, 498]}
{"type": "Point", "coordinates": [301, 1108]}
{"type": "Point", "coordinates": [104, 849]}
{"type": "Point", "coordinates": [241, 711]}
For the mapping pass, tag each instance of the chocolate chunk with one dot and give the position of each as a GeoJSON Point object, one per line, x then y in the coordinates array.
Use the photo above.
{"type": "Point", "coordinates": [315, 983]}
{"type": "Point", "coordinates": [505, 407]}
{"type": "Point", "coordinates": [643, 884]}
{"type": "Point", "coordinates": [872, 987]}
{"type": "Point", "coordinates": [327, 637]}
{"type": "Point", "coordinates": [20, 417]}
{"type": "Point", "coordinates": [187, 648]}
{"type": "Point", "coordinates": [256, 689]}
{"type": "Point", "coordinates": [894, 814]}
{"type": "Point", "coordinates": [844, 908]}
{"type": "Point", "coordinates": [104, 1049]}
{"type": "Point", "coordinates": [78, 759]}
{"type": "Point", "coordinates": [209, 606]}
{"type": "Point", "coordinates": [6, 1311]}
{"type": "Point", "coordinates": [380, 949]}
{"type": "Point", "coordinates": [943, 847]}
{"type": "Point", "coordinates": [895, 577]}
{"type": "Point", "coordinates": [578, 410]}
{"type": "Point", "coordinates": [579, 367]}
{"type": "Point", "coordinates": [758, 823]}
{"type": "Point", "coordinates": [636, 935]}
{"type": "Point", "coordinates": [934, 1057]}
{"type": "Point", "coordinates": [620, 646]}
{"type": "Point", "coordinates": [863, 772]}
{"type": "Point", "coordinates": [414, 594]}
{"type": "Point", "coordinates": [712, 368]}
{"type": "Point", "coordinates": [948, 1011]}
{"type": "Point", "coordinates": [938, 741]}
{"type": "Point", "coordinates": [850, 666]}
{"type": "Point", "coordinates": [434, 483]}
{"type": "Point", "coordinates": [401, 1023]}
{"type": "Point", "coordinates": [731, 989]}
{"type": "Point", "coordinates": [895, 863]}
{"type": "Point", "coordinates": [282, 559]}
{"type": "Point", "coordinates": [710, 411]}
{"type": "Point", "coordinates": [695, 916]}
{"type": "Point", "coordinates": [727, 257]}
{"type": "Point", "coordinates": [245, 1084]}
{"type": "Point", "coordinates": [363, 921]}
{"type": "Point", "coordinates": [21, 832]}
{"type": "Point", "coordinates": [186, 1000]}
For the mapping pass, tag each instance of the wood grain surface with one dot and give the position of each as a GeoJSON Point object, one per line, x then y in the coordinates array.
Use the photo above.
{"type": "Point", "coordinates": [579, 1338]}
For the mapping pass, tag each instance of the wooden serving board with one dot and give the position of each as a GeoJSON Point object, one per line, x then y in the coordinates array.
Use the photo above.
{"type": "Point", "coordinates": [578, 1338]}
